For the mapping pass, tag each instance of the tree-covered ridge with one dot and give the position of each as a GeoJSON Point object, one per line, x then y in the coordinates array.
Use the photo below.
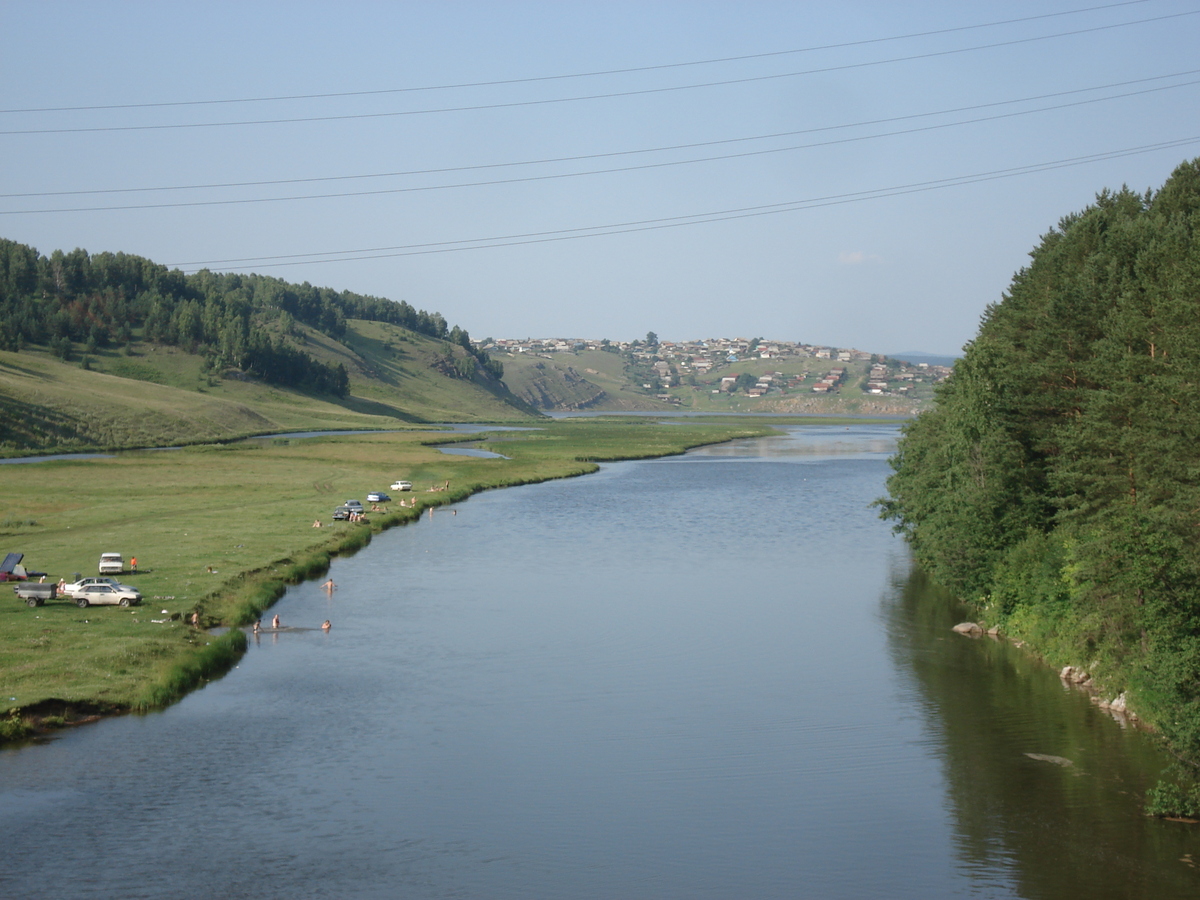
{"type": "Point", "coordinates": [1057, 479]}
{"type": "Point", "coordinates": [239, 321]}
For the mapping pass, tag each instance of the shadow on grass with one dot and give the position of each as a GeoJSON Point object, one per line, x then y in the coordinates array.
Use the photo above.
{"type": "Point", "coordinates": [376, 408]}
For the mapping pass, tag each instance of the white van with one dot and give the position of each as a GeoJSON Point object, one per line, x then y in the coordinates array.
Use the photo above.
{"type": "Point", "coordinates": [111, 564]}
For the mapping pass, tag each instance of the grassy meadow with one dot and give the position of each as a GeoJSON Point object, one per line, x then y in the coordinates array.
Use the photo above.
{"type": "Point", "coordinates": [221, 529]}
{"type": "Point", "coordinates": [148, 395]}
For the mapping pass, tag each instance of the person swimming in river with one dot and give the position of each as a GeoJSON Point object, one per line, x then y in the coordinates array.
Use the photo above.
{"type": "Point", "coordinates": [275, 622]}
{"type": "Point", "coordinates": [326, 625]}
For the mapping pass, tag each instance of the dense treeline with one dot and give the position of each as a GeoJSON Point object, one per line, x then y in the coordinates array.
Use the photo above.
{"type": "Point", "coordinates": [239, 321]}
{"type": "Point", "coordinates": [1056, 482]}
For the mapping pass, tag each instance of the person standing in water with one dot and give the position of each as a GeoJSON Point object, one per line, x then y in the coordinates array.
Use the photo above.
{"type": "Point", "coordinates": [275, 621]}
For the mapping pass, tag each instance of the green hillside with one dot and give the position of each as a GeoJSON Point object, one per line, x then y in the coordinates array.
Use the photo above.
{"type": "Point", "coordinates": [610, 381]}
{"type": "Point", "coordinates": [589, 379]}
{"type": "Point", "coordinates": [148, 395]}
{"type": "Point", "coordinates": [112, 350]}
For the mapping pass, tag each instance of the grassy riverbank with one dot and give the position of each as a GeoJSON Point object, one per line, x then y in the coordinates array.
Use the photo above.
{"type": "Point", "coordinates": [223, 529]}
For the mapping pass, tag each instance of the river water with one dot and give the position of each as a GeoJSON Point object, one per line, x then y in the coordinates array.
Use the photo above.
{"type": "Point", "coordinates": [710, 676]}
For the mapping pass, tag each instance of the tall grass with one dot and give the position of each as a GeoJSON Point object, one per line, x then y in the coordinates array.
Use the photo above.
{"type": "Point", "coordinates": [215, 658]}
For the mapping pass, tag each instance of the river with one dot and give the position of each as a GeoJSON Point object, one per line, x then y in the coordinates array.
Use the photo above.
{"type": "Point", "coordinates": [709, 676]}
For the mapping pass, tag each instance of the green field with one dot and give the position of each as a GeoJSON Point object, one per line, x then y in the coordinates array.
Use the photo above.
{"type": "Point", "coordinates": [221, 529]}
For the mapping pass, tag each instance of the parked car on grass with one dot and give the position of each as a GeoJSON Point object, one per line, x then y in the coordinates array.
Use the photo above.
{"type": "Point", "coordinates": [107, 595]}
{"type": "Point", "coordinates": [71, 588]}
{"type": "Point", "coordinates": [378, 497]}
{"type": "Point", "coordinates": [111, 564]}
{"type": "Point", "coordinates": [402, 486]}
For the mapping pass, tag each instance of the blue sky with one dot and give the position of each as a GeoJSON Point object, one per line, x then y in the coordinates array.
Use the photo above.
{"type": "Point", "coordinates": [799, 152]}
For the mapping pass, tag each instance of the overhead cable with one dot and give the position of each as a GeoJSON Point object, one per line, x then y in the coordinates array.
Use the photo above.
{"type": "Point", "coordinates": [680, 221]}
{"type": "Point", "coordinates": [588, 97]}
{"type": "Point", "coordinates": [565, 175]}
{"type": "Point", "coordinates": [615, 153]}
{"type": "Point", "coordinates": [573, 75]}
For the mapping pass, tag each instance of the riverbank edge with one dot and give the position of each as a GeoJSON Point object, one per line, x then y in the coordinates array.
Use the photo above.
{"type": "Point", "coordinates": [7, 453]}
{"type": "Point", "coordinates": [1176, 796]}
{"type": "Point", "coordinates": [245, 597]}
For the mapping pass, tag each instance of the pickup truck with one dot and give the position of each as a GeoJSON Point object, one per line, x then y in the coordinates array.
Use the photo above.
{"type": "Point", "coordinates": [35, 594]}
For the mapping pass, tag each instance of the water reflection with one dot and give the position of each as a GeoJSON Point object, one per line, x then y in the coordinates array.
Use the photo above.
{"type": "Point", "coordinates": [809, 441]}
{"type": "Point", "coordinates": [671, 678]}
{"type": "Point", "coordinates": [476, 452]}
{"type": "Point", "coordinates": [1040, 782]}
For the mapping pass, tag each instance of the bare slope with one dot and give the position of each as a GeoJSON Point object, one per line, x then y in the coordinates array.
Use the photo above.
{"type": "Point", "coordinates": [589, 379]}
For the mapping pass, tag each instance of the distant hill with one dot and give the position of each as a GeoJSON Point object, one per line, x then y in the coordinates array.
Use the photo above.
{"type": "Point", "coordinates": [622, 381]}
{"type": "Point", "coordinates": [112, 350]}
{"type": "Point", "coordinates": [589, 379]}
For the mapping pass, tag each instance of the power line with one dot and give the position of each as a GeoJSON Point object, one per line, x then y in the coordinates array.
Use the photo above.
{"type": "Point", "coordinates": [615, 153]}
{"type": "Point", "coordinates": [562, 77]}
{"type": "Point", "coordinates": [588, 97]}
{"type": "Point", "coordinates": [681, 221]}
{"type": "Point", "coordinates": [609, 171]}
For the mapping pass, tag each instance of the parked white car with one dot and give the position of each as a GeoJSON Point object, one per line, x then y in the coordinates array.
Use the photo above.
{"type": "Point", "coordinates": [111, 564]}
{"type": "Point", "coordinates": [72, 588]}
{"type": "Point", "coordinates": [107, 595]}
{"type": "Point", "coordinates": [402, 486]}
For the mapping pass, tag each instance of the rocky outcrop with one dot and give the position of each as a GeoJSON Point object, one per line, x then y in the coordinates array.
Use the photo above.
{"type": "Point", "coordinates": [1075, 676]}
{"type": "Point", "coordinates": [1116, 706]}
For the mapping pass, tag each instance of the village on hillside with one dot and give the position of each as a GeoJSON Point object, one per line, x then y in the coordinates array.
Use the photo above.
{"type": "Point", "coordinates": [669, 364]}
